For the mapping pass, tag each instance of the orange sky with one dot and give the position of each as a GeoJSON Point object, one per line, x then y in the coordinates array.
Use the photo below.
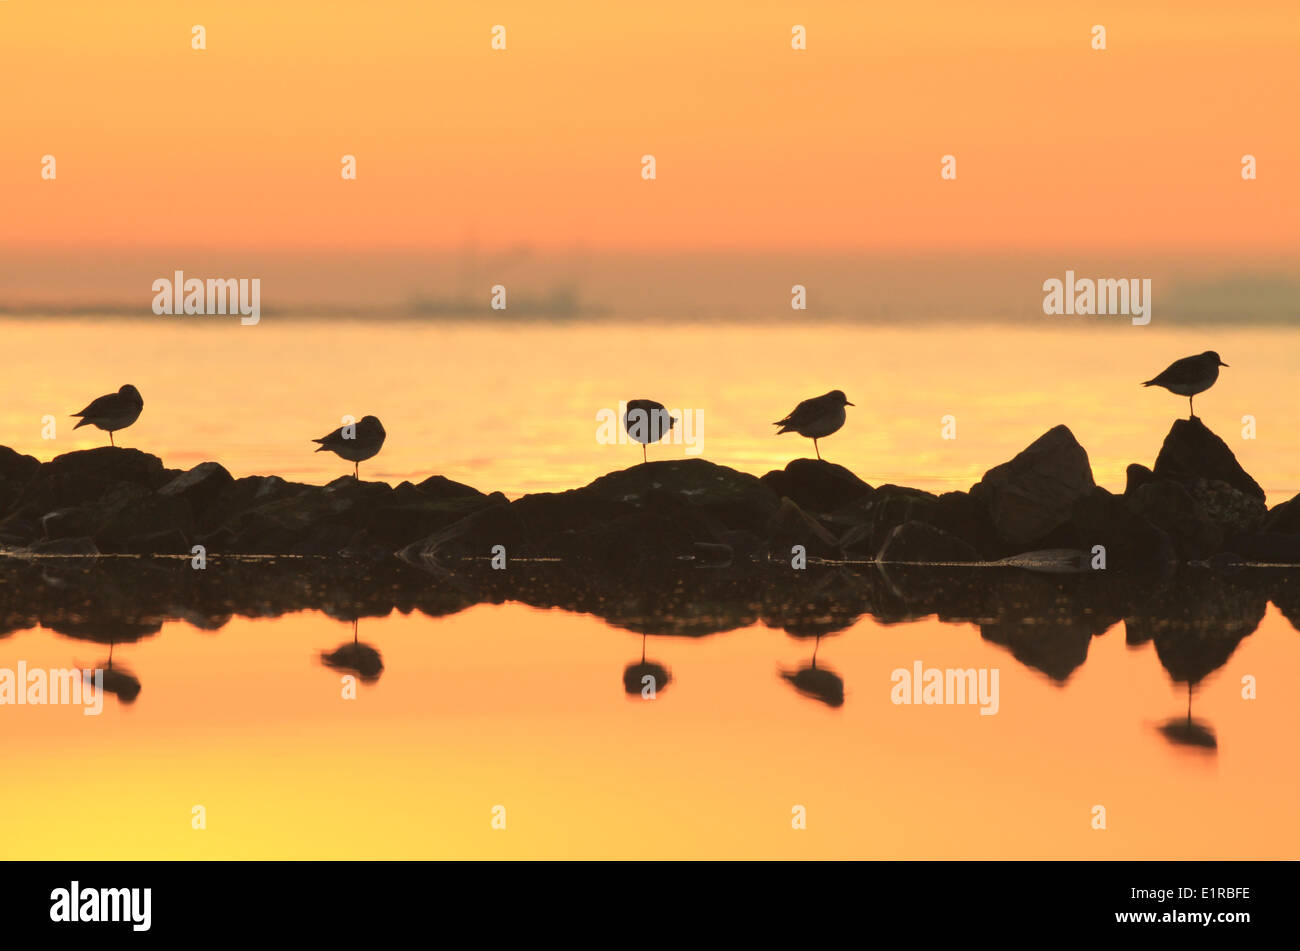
{"type": "Point", "coordinates": [758, 146]}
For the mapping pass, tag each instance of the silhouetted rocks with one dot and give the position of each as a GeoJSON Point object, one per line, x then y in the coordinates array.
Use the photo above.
{"type": "Point", "coordinates": [1034, 494]}
{"type": "Point", "coordinates": [1195, 504]}
{"type": "Point", "coordinates": [919, 543]}
{"type": "Point", "coordinates": [816, 485]}
{"type": "Point", "coordinates": [1191, 453]}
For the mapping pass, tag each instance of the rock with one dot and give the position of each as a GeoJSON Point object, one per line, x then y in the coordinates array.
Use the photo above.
{"type": "Point", "coordinates": [83, 476]}
{"type": "Point", "coordinates": [474, 537]}
{"type": "Point", "coordinates": [16, 471]}
{"type": "Point", "coordinates": [1131, 541]}
{"type": "Point", "coordinates": [889, 507]}
{"type": "Point", "coordinates": [152, 516]}
{"type": "Point", "coordinates": [201, 487]}
{"type": "Point", "coordinates": [790, 526]}
{"type": "Point", "coordinates": [1137, 476]}
{"type": "Point", "coordinates": [1034, 494]}
{"type": "Point", "coordinates": [1269, 548]}
{"type": "Point", "coordinates": [916, 543]}
{"type": "Point", "coordinates": [1284, 517]}
{"type": "Point", "coordinates": [633, 545]}
{"type": "Point", "coordinates": [1171, 508]}
{"type": "Point", "coordinates": [1233, 511]}
{"type": "Point", "coordinates": [439, 487]}
{"type": "Point", "coordinates": [1191, 452]}
{"type": "Point", "coordinates": [735, 499]}
{"type": "Point", "coordinates": [817, 486]}
{"type": "Point", "coordinates": [65, 546]}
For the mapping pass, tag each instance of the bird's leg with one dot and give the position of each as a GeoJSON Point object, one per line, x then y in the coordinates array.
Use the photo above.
{"type": "Point", "coordinates": [643, 455]}
{"type": "Point", "coordinates": [110, 438]}
{"type": "Point", "coordinates": [816, 450]}
{"type": "Point", "coordinates": [1191, 406]}
{"type": "Point", "coordinates": [356, 471]}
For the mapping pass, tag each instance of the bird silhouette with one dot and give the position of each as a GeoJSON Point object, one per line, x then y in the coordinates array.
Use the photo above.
{"type": "Point", "coordinates": [355, 442]}
{"type": "Point", "coordinates": [816, 418]}
{"type": "Point", "coordinates": [113, 411]}
{"type": "Point", "coordinates": [1189, 376]}
{"type": "Point", "coordinates": [647, 421]}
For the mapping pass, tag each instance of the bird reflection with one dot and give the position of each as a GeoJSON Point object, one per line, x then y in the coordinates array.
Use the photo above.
{"type": "Point", "coordinates": [361, 659]}
{"type": "Point", "coordinates": [819, 683]}
{"type": "Point", "coordinates": [118, 681]}
{"type": "Point", "coordinates": [634, 676]}
{"type": "Point", "coordinates": [1189, 732]}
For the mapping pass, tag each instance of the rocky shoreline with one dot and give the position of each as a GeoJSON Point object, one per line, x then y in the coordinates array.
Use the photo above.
{"type": "Point", "coordinates": [1194, 504]}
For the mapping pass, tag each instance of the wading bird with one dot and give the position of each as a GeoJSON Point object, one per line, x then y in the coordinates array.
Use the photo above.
{"type": "Point", "coordinates": [1189, 376]}
{"type": "Point", "coordinates": [113, 411]}
{"type": "Point", "coordinates": [356, 442]}
{"type": "Point", "coordinates": [816, 418]}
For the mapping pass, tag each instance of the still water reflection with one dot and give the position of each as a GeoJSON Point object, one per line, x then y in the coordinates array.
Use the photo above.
{"type": "Point", "coordinates": [316, 690]}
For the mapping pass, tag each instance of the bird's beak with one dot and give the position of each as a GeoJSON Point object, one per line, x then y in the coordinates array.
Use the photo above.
{"type": "Point", "coordinates": [847, 403]}
{"type": "Point", "coordinates": [1222, 364]}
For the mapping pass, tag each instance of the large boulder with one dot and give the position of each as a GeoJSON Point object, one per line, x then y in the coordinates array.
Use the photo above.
{"type": "Point", "coordinates": [1034, 494]}
{"type": "Point", "coordinates": [817, 486]}
{"type": "Point", "coordinates": [916, 543]}
{"type": "Point", "coordinates": [83, 476]}
{"type": "Point", "coordinates": [735, 499]}
{"type": "Point", "coordinates": [790, 525]}
{"type": "Point", "coordinates": [16, 471]}
{"type": "Point", "coordinates": [1170, 507]}
{"type": "Point", "coordinates": [1191, 452]}
{"type": "Point", "coordinates": [1132, 542]}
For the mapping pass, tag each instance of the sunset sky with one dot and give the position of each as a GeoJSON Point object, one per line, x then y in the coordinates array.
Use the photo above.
{"type": "Point", "coordinates": [758, 146]}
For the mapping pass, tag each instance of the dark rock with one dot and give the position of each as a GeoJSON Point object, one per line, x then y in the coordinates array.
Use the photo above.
{"type": "Point", "coordinates": [1284, 517]}
{"type": "Point", "coordinates": [16, 471]}
{"type": "Point", "coordinates": [65, 546]}
{"type": "Point", "coordinates": [201, 487]}
{"type": "Point", "coordinates": [1171, 508]}
{"type": "Point", "coordinates": [919, 543]}
{"type": "Point", "coordinates": [150, 516]}
{"type": "Point", "coordinates": [1137, 476]}
{"type": "Point", "coordinates": [78, 477]}
{"type": "Point", "coordinates": [735, 499]}
{"type": "Point", "coordinates": [1233, 511]}
{"type": "Point", "coordinates": [1131, 541]}
{"type": "Point", "coordinates": [817, 486]}
{"type": "Point", "coordinates": [474, 536]}
{"type": "Point", "coordinates": [1034, 494]}
{"type": "Point", "coordinates": [632, 545]}
{"type": "Point", "coordinates": [790, 526]}
{"type": "Point", "coordinates": [1191, 452]}
{"type": "Point", "coordinates": [440, 487]}
{"type": "Point", "coordinates": [1270, 548]}
{"type": "Point", "coordinates": [889, 507]}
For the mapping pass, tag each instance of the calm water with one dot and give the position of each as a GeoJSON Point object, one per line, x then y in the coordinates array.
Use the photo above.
{"type": "Point", "coordinates": [514, 408]}
{"type": "Point", "coordinates": [479, 705]}
{"type": "Point", "coordinates": [520, 701]}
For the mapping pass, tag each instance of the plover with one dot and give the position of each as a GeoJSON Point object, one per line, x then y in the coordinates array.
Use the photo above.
{"type": "Point", "coordinates": [113, 411]}
{"type": "Point", "coordinates": [365, 440]}
{"type": "Point", "coordinates": [816, 418]}
{"type": "Point", "coordinates": [1189, 376]}
{"type": "Point", "coordinates": [647, 421]}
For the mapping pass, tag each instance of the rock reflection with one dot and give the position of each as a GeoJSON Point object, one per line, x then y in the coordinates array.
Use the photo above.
{"type": "Point", "coordinates": [1195, 618]}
